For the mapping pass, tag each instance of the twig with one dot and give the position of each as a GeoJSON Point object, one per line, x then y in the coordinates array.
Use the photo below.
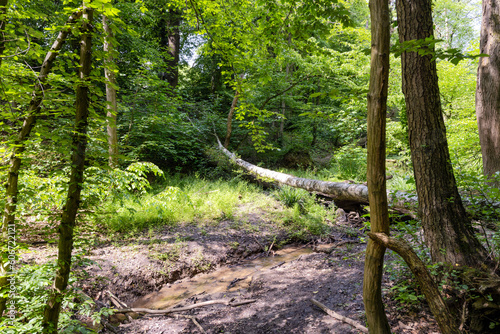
{"type": "Point", "coordinates": [116, 300]}
{"type": "Point", "coordinates": [278, 265]}
{"type": "Point", "coordinates": [340, 317]}
{"type": "Point", "coordinates": [186, 308]}
{"type": "Point", "coordinates": [257, 241]}
{"type": "Point", "coordinates": [118, 303]}
{"type": "Point", "coordinates": [195, 321]}
{"type": "Point", "coordinates": [270, 248]}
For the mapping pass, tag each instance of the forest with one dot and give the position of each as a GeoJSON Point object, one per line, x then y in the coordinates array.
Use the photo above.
{"type": "Point", "coordinates": [250, 166]}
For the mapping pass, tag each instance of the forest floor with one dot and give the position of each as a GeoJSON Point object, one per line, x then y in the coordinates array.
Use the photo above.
{"type": "Point", "coordinates": [166, 267]}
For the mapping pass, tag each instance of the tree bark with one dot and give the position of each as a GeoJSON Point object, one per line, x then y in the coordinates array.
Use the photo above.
{"type": "Point", "coordinates": [377, 192]}
{"type": "Point", "coordinates": [66, 227]}
{"type": "Point", "coordinates": [110, 94]}
{"type": "Point", "coordinates": [170, 43]}
{"type": "Point", "coordinates": [488, 89]}
{"type": "Point", "coordinates": [8, 218]}
{"type": "Point", "coordinates": [447, 231]}
{"type": "Point", "coordinates": [439, 308]}
{"type": "Point", "coordinates": [340, 191]}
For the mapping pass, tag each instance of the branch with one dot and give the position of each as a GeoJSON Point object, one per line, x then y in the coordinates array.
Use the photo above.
{"type": "Point", "coordinates": [186, 308]}
{"type": "Point", "coordinates": [340, 317]}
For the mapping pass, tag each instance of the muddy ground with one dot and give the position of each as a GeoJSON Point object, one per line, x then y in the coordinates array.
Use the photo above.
{"type": "Point", "coordinates": [135, 270]}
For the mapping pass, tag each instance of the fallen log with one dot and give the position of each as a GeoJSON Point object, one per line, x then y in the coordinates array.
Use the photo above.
{"type": "Point", "coordinates": [185, 308]}
{"type": "Point", "coordinates": [339, 191]}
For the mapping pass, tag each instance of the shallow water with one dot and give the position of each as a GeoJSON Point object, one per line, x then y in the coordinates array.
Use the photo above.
{"type": "Point", "coordinates": [227, 278]}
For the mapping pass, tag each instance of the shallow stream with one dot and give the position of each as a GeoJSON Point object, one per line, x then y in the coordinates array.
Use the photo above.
{"type": "Point", "coordinates": [227, 278]}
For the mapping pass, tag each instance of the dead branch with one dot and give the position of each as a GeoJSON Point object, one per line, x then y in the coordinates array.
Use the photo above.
{"type": "Point", "coordinates": [186, 308]}
{"type": "Point", "coordinates": [339, 316]}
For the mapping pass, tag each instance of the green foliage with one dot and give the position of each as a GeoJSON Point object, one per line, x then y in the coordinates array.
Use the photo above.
{"type": "Point", "coordinates": [349, 162]}
{"type": "Point", "coordinates": [32, 283]}
{"type": "Point", "coordinates": [291, 196]}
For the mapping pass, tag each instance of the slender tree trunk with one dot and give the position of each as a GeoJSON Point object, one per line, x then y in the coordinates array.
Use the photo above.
{"type": "Point", "coordinates": [447, 231]}
{"type": "Point", "coordinates": [377, 193]}
{"type": "Point", "coordinates": [56, 295]}
{"type": "Point", "coordinates": [488, 89]}
{"type": "Point", "coordinates": [230, 118]}
{"type": "Point", "coordinates": [4, 268]}
{"type": "Point", "coordinates": [110, 95]}
{"type": "Point", "coordinates": [8, 218]}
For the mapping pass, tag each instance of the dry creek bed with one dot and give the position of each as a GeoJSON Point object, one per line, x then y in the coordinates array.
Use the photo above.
{"type": "Point", "coordinates": [136, 271]}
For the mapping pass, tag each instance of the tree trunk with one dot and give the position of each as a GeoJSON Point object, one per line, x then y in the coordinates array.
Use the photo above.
{"type": "Point", "coordinates": [377, 193]}
{"type": "Point", "coordinates": [4, 268]}
{"type": "Point", "coordinates": [447, 231]}
{"type": "Point", "coordinates": [438, 307]}
{"type": "Point", "coordinates": [170, 43]}
{"type": "Point", "coordinates": [488, 89]}
{"type": "Point", "coordinates": [230, 118]}
{"type": "Point", "coordinates": [65, 247]}
{"type": "Point", "coordinates": [11, 193]}
{"type": "Point", "coordinates": [110, 94]}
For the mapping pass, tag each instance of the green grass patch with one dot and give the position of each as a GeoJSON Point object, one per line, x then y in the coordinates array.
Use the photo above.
{"type": "Point", "coordinates": [178, 199]}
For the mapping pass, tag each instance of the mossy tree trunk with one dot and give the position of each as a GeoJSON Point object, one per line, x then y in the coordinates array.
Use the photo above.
{"type": "Point", "coordinates": [377, 193]}
{"type": "Point", "coordinates": [79, 144]}
{"type": "Point", "coordinates": [447, 230]}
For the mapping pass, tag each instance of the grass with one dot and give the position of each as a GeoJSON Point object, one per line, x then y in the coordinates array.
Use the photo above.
{"type": "Point", "coordinates": [186, 199]}
{"type": "Point", "coordinates": [191, 199]}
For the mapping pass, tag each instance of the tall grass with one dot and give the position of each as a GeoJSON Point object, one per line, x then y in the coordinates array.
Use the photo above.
{"type": "Point", "coordinates": [178, 199]}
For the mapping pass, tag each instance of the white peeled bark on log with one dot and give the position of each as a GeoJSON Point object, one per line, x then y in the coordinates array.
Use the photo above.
{"type": "Point", "coordinates": [340, 191]}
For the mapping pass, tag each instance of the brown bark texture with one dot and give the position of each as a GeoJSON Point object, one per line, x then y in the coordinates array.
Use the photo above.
{"type": "Point", "coordinates": [170, 43]}
{"type": "Point", "coordinates": [439, 308]}
{"type": "Point", "coordinates": [377, 193]}
{"type": "Point", "coordinates": [488, 89]}
{"type": "Point", "coordinates": [230, 118]}
{"type": "Point", "coordinates": [11, 193]}
{"type": "Point", "coordinates": [66, 227]}
{"type": "Point", "coordinates": [447, 231]}
{"type": "Point", "coordinates": [110, 94]}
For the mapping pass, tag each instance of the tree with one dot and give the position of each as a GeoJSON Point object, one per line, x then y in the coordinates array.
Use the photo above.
{"type": "Point", "coordinates": [9, 214]}
{"type": "Point", "coordinates": [447, 230]}
{"type": "Point", "coordinates": [488, 89]}
{"type": "Point", "coordinates": [110, 94]}
{"type": "Point", "coordinates": [377, 193]}
{"type": "Point", "coordinates": [67, 225]}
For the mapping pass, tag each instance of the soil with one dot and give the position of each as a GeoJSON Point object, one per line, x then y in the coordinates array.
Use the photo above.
{"type": "Point", "coordinates": [135, 270]}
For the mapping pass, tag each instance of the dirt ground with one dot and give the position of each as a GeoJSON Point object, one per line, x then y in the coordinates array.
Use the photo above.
{"type": "Point", "coordinates": [137, 270]}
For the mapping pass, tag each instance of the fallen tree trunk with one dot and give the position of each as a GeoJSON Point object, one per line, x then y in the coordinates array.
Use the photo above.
{"type": "Point", "coordinates": [339, 191]}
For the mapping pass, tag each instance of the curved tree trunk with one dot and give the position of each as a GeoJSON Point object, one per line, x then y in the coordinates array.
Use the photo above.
{"type": "Point", "coordinates": [447, 230]}
{"type": "Point", "coordinates": [377, 192]}
{"type": "Point", "coordinates": [488, 89]}
{"type": "Point", "coordinates": [65, 247]}
{"type": "Point", "coordinates": [438, 307]}
{"type": "Point", "coordinates": [8, 218]}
